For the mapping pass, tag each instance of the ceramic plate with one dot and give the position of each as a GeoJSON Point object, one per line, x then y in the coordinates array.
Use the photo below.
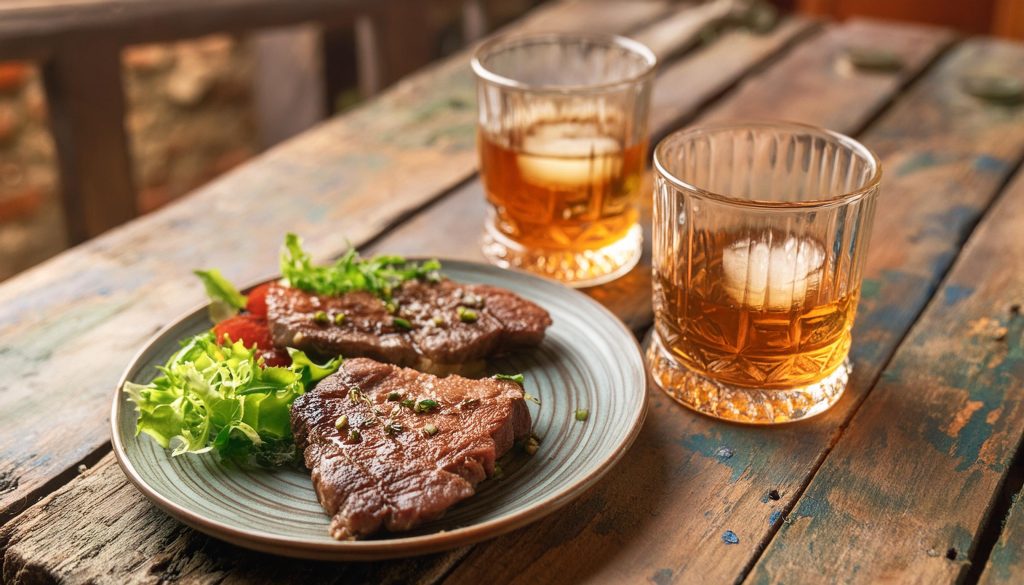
{"type": "Point", "coordinates": [588, 360]}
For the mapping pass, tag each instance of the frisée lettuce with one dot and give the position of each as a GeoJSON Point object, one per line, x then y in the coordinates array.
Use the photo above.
{"type": "Point", "coordinates": [218, 397]}
{"type": "Point", "coordinates": [378, 275]}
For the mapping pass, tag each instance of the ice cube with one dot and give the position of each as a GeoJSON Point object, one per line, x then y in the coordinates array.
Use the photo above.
{"type": "Point", "coordinates": [773, 276]}
{"type": "Point", "coordinates": [569, 154]}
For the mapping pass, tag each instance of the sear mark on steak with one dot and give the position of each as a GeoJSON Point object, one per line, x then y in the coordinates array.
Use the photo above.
{"type": "Point", "coordinates": [437, 336]}
{"type": "Point", "coordinates": [406, 467]}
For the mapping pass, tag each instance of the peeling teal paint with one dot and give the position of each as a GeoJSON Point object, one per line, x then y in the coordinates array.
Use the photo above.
{"type": "Point", "coordinates": [869, 288]}
{"type": "Point", "coordinates": [738, 461]}
{"type": "Point", "coordinates": [960, 539]}
{"type": "Point", "coordinates": [812, 506]}
{"type": "Point", "coordinates": [990, 164]}
{"type": "Point", "coordinates": [662, 577]}
{"type": "Point", "coordinates": [1008, 553]}
{"type": "Point", "coordinates": [953, 294]}
{"type": "Point", "coordinates": [921, 160]}
{"type": "Point", "coordinates": [985, 385]}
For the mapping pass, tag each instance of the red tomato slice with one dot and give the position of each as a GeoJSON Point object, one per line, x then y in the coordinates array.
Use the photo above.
{"type": "Point", "coordinates": [251, 330]}
{"type": "Point", "coordinates": [257, 303]}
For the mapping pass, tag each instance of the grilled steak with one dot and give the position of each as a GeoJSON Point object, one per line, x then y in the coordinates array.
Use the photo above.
{"type": "Point", "coordinates": [431, 326]}
{"type": "Point", "coordinates": [410, 462]}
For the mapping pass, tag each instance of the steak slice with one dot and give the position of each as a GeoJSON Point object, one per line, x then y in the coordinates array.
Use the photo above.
{"type": "Point", "coordinates": [438, 338]}
{"type": "Point", "coordinates": [406, 467]}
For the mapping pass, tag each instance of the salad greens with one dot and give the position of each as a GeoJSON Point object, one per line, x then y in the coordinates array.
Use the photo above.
{"type": "Point", "coordinates": [225, 300]}
{"type": "Point", "coordinates": [219, 397]}
{"type": "Point", "coordinates": [378, 275]}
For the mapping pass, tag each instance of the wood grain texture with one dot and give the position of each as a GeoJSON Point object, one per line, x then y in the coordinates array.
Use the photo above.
{"type": "Point", "coordinates": [69, 326]}
{"type": "Point", "coordinates": [716, 67]}
{"type": "Point", "coordinates": [127, 540]}
{"type": "Point", "coordinates": [1006, 563]}
{"type": "Point", "coordinates": [910, 483]}
{"type": "Point", "coordinates": [833, 74]}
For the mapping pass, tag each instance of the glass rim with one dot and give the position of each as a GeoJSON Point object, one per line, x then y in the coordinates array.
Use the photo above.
{"type": "Point", "coordinates": [521, 39]}
{"type": "Point", "coordinates": [831, 201]}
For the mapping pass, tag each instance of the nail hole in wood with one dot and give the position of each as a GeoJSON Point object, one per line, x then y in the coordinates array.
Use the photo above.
{"type": "Point", "coordinates": [774, 495]}
{"type": "Point", "coordinates": [951, 554]}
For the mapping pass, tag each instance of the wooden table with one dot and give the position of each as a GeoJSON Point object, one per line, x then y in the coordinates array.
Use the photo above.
{"type": "Point", "coordinates": [908, 478]}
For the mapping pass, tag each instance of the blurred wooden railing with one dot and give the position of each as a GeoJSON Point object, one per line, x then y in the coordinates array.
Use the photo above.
{"type": "Point", "coordinates": [79, 43]}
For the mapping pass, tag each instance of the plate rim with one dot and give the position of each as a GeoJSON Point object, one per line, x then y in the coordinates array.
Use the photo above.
{"type": "Point", "coordinates": [390, 547]}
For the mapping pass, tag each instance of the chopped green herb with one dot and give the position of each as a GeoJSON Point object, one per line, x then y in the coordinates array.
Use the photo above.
{"type": "Point", "coordinates": [378, 275]}
{"type": "Point", "coordinates": [425, 405]}
{"type": "Point", "coordinates": [401, 323]}
{"type": "Point", "coordinates": [531, 398]}
{"type": "Point", "coordinates": [392, 427]}
{"type": "Point", "coordinates": [430, 430]}
{"type": "Point", "coordinates": [408, 403]}
{"type": "Point", "coordinates": [339, 318]}
{"type": "Point", "coordinates": [354, 394]}
{"type": "Point", "coordinates": [320, 317]}
{"type": "Point", "coordinates": [355, 436]}
{"type": "Point", "coordinates": [390, 308]}
{"type": "Point", "coordinates": [498, 472]}
{"type": "Point", "coordinates": [582, 414]}
{"type": "Point", "coordinates": [342, 422]}
{"type": "Point", "coordinates": [394, 396]}
{"type": "Point", "coordinates": [438, 320]}
{"type": "Point", "coordinates": [466, 315]}
{"type": "Point", "coordinates": [517, 378]}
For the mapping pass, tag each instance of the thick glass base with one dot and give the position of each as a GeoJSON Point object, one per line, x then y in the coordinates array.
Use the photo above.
{"type": "Point", "coordinates": [576, 268]}
{"type": "Point", "coordinates": [741, 404]}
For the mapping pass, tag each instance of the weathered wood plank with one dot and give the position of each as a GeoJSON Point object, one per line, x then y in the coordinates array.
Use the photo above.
{"type": "Point", "coordinates": [86, 102]}
{"type": "Point", "coordinates": [144, 545]}
{"type": "Point", "coordinates": [68, 326]}
{"type": "Point", "coordinates": [832, 69]}
{"type": "Point", "coordinates": [907, 488]}
{"type": "Point", "coordinates": [716, 67]}
{"type": "Point", "coordinates": [1006, 563]}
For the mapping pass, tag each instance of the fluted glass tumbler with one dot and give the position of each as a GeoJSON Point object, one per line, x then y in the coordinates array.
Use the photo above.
{"type": "Point", "coordinates": [562, 138]}
{"type": "Point", "coordinates": [760, 233]}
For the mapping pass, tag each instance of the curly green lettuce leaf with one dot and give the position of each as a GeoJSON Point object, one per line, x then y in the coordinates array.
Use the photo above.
{"type": "Point", "coordinates": [225, 300]}
{"type": "Point", "coordinates": [378, 275]}
{"type": "Point", "coordinates": [218, 397]}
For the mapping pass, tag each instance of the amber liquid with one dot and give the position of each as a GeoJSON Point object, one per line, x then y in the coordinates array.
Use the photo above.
{"type": "Point", "coordinates": [562, 185]}
{"type": "Point", "coordinates": [756, 314]}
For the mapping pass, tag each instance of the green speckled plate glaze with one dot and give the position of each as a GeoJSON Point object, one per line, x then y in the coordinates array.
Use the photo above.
{"type": "Point", "coordinates": [588, 360]}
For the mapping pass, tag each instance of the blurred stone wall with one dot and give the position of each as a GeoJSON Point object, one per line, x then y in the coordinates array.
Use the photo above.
{"type": "Point", "coordinates": [189, 118]}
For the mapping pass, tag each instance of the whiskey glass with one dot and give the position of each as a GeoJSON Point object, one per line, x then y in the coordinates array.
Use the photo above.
{"type": "Point", "coordinates": [759, 238]}
{"type": "Point", "coordinates": [562, 140]}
